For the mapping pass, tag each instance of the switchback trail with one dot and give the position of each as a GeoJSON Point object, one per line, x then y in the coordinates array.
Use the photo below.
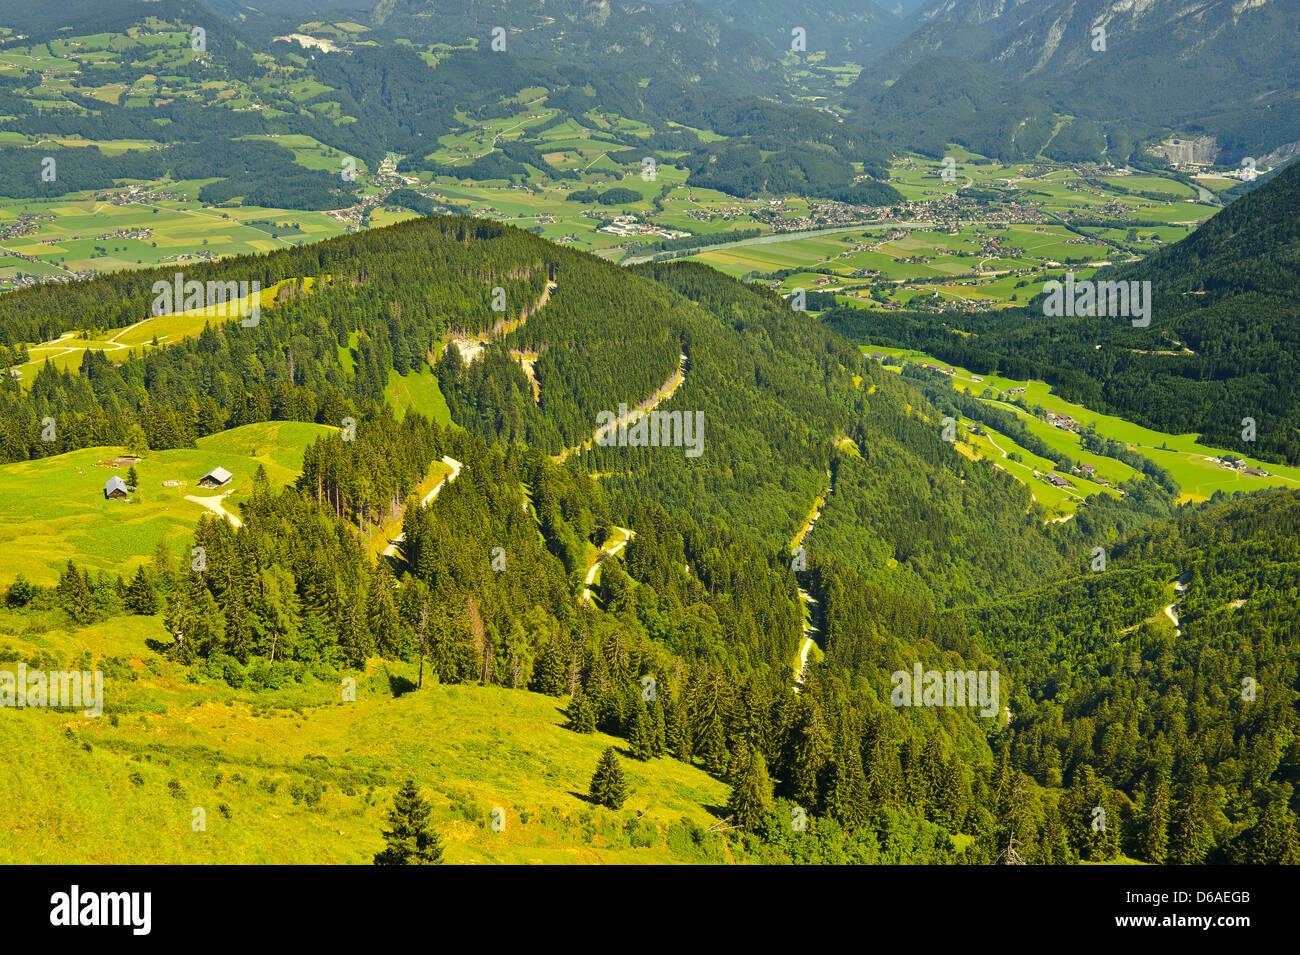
{"type": "Point", "coordinates": [801, 667]}
{"type": "Point", "coordinates": [606, 551]}
{"type": "Point", "coordinates": [455, 466]}
{"type": "Point", "coordinates": [1171, 611]}
{"type": "Point", "coordinates": [662, 394]}
{"type": "Point", "coordinates": [470, 346]}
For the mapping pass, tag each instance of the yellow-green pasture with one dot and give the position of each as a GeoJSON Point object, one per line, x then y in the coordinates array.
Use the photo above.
{"type": "Point", "coordinates": [53, 509]}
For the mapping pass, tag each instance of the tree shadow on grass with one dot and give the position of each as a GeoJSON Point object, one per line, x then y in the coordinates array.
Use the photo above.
{"type": "Point", "coordinates": [398, 684]}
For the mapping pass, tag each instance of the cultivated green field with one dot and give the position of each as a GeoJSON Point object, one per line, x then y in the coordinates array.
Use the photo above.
{"type": "Point", "coordinates": [84, 234]}
{"type": "Point", "coordinates": [1193, 465]}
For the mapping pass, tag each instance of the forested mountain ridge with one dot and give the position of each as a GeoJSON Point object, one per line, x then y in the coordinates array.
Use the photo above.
{"type": "Point", "coordinates": [704, 600]}
{"type": "Point", "coordinates": [678, 39]}
{"type": "Point", "coordinates": [775, 390]}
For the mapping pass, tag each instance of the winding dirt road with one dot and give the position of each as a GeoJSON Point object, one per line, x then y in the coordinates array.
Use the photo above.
{"type": "Point", "coordinates": [662, 394]}
{"type": "Point", "coordinates": [213, 504]}
{"type": "Point", "coordinates": [455, 466]}
{"type": "Point", "coordinates": [1171, 611]}
{"type": "Point", "coordinates": [605, 552]}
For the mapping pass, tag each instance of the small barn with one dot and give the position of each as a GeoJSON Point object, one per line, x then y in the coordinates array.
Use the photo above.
{"type": "Point", "coordinates": [115, 488]}
{"type": "Point", "coordinates": [217, 477]}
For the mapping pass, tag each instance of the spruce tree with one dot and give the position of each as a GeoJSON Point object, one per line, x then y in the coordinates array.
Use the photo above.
{"type": "Point", "coordinates": [1154, 844]}
{"type": "Point", "coordinates": [811, 751]}
{"type": "Point", "coordinates": [641, 738]}
{"type": "Point", "coordinates": [1191, 836]}
{"type": "Point", "coordinates": [751, 796]}
{"type": "Point", "coordinates": [1054, 847]}
{"type": "Point", "coordinates": [580, 713]}
{"type": "Point", "coordinates": [659, 746]}
{"type": "Point", "coordinates": [410, 839]}
{"type": "Point", "coordinates": [140, 596]}
{"type": "Point", "coordinates": [1273, 839]}
{"type": "Point", "coordinates": [714, 752]}
{"type": "Point", "coordinates": [679, 735]}
{"type": "Point", "coordinates": [847, 799]}
{"type": "Point", "coordinates": [74, 595]}
{"type": "Point", "coordinates": [608, 787]}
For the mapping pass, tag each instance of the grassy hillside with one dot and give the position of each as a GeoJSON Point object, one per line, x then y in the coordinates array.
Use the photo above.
{"type": "Point", "coordinates": [306, 778]}
{"type": "Point", "coordinates": [53, 509]}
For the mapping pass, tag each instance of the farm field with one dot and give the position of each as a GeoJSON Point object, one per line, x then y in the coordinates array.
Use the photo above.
{"type": "Point", "coordinates": [875, 265]}
{"type": "Point", "coordinates": [53, 509]}
{"type": "Point", "coordinates": [992, 259]}
{"type": "Point", "coordinates": [1192, 464]}
{"type": "Point", "coordinates": [82, 234]}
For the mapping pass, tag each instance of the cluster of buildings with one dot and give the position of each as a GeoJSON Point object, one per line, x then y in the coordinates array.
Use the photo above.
{"type": "Point", "coordinates": [200, 255]}
{"type": "Point", "coordinates": [1063, 421]}
{"type": "Point", "coordinates": [1054, 479]}
{"type": "Point", "coordinates": [26, 280]}
{"type": "Point", "coordinates": [1090, 472]}
{"type": "Point", "coordinates": [140, 195]}
{"type": "Point", "coordinates": [141, 233]}
{"type": "Point", "coordinates": [820, 215]}
{"type": "Point", "coordinates": [725, 213]}
{"type": "Point", "coordinates": [26, 224]}
{"type": "Point", "coordinates": [1237, 464]}
{"type": "Point", "coordinates": [115, 488]}
{"type": "Point", "coordinates": [629, 226]}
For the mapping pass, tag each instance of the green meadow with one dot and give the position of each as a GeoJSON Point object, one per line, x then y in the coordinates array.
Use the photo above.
{"type": "Point", "coordinates": [418, 390]}
{"type": "Point", "coordinates": [297, 775]}
{"type": "Point", "coordinates": [53, 509]}
{"type": "Point", "coordinates": [1192, 464]}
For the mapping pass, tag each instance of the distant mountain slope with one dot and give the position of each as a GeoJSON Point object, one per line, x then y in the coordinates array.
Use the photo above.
{"type": "Point", "coordinates": [1217, 66]}
{"type": "Point", "coordinates": [679, 40]}
{"type": "Point", "coordinates": [846, 30]}
{"type": "Point", "coordinates": [947, 99]}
